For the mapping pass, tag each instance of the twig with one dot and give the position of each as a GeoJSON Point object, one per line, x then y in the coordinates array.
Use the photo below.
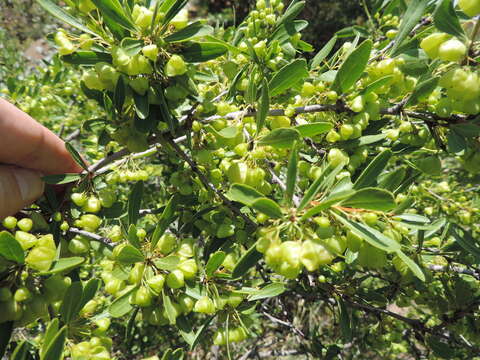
{"type": "Point", "coordinates": [457, 269]}
{"type": "Point", "coordinates": [284, 323]}
{"type": "Point", "coordinates": [108, 160]}
{"type": "Point", "coordinates": [279, 182]}
{"type": "Point", "coordinates": [105, 241]}
{"type": "Point", "coordinates": [208, 184]}
{"type": "Point", "coordinates": [73, 135]}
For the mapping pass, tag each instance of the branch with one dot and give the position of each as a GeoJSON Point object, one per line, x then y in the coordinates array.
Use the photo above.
{"type": "Point", "coordinates": [208, 184]}
{"type": "Point", "coordinates": [279, 182]}
{"type": "Point", "coordinates": [284, 323]}
{"type": "Point", "coordinates": [105, 241]}
{"type": "Point", "coordinates": [457, 269]}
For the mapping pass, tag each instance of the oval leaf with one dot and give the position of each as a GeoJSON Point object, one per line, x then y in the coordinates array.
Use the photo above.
{"type": "Point", "coordinates": [282, 138]}
{"type": "Point", "coordinates": [288, 76]}
{"type": "Point", "coordinates": [353, 67]}
{"type": "Point", "coordinates": [371, 199]}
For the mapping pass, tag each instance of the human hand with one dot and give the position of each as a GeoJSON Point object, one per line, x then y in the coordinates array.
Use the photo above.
{"type": "Point", "coordinates": [28, 150]}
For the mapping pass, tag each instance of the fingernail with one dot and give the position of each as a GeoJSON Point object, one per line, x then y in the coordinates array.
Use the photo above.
{"type": "Point", "coordinates": [29, 183]}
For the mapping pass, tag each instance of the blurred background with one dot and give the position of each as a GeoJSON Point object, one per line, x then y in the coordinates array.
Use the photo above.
{"type": "Point", "coordinates": [24, 25]}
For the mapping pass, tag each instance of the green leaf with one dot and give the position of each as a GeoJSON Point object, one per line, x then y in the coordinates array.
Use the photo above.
{"type": "Point", "coordinates": [119, 94]}
{"type": "Point", "coordinates": [10, 248]}
{"type": "Point", "coordinates": [6, 330]}
{"type": "Point", "coordinates": [244, 194]}
{"type": "Point", "coordinates": [89, 291]}
{"type": "Point", "coordinates": [201, 52]}
{"type": "Point", "coordinates": [61, 179]}
{"type": "Point", "coordinates": [353, 67]}
{"type": "Point", "coordinates": [292, 174]}
{"type": "Point", "coordinates": [165, 220]}
{"type": "Point", "coordinates": [52, 329]}
{"type": "Point", "coordinates": [314, 129]}
{"type": "Point", "coordinates": [282, 138]}
{"type": "Point", "coordinates": [142, 107]}
{"type": "Point", "coordinates": [214, 262]}
{"type": "Point", "coordinates": [263, 106]}
{"type": "Point", "coordinates": [200, 334]}
{"type": "Point", "coordinates": [410, 19]}
{"type": "Point", "coordinates": [288, 76]}
{"type": "Point", "coordinates": [55, 349]}
{"type": "Point", "coordinates": [327, 203]}
{"type": "Point", "coordinates": [87, 58]}
{"type": "Point", "coordinates": [171, 8]}
{"type": "Point", "coordinates": [369, 176]}
{"type": "Point", "coordinates": [71, 303]}
{"type": "Point", "coordinates": [268, 207]}
{"type": "Point", "coordinates": [132, 236]}
{"type": "Point", "coordinates": [114, 11]}
{"type": "Point", "coordinates": [445, 19]}
{"type": "Point", "coordinates": [377, 84]}
{"type": "Point", "coordinates": [371, 199]}
{"type": "Point", "coordinates": [372, 236]}
{"type": "Point", "coordinates": [246, 262]}
{"type": "Point", "coordinates": [345, 322]}
{"type": "Point", "coordinates": [467, 242]}
{"type": "Point", "coordinates": [121, 306]}
{"type": "Point", "coordinates": [129, 255]}
{"type": "Point", "coordinates": [291, 13]}
{"type": "Point", "coordinates": [422, 90]}
{"type": "Point", "coordinates": [323, 53]}
{"type": "Point", "coordinates": [132, 46]}
{"type": "Point", "coordinates": [65, 265]}
{"type": "Point", "coordinates": [440, 348]}
{"type": "Point", "coordinates": [321, 183]}
{"type": "Point", "coordinates": [20, 352]}
{"type": "Point", "coordinates": [430, 165]}
{"type": "Point", "coordinates": [412, 265]}
{"type": "Point", "coordinates": [76, 156]}
{"type": "Point", "coordinates": [467, 130]}
{"type": "Point", "coordinates": [134, 203]}
{"type": "Point", "coordinates": [62, 15]}
{"type": "Point", "coordinates": [169, 309]}
{"type": "Point", "coordinates": [268, 291]}
{"type": "Point", "coordinates": [192, 31]}
{"type": "Point", "coordinates": [168, 263]}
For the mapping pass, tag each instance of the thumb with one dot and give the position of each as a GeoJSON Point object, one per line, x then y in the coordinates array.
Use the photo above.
{"type": "Point", "coordinates": [18, 188]}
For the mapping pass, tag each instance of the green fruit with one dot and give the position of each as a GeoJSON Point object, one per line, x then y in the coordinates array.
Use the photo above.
{"type": "Point", "coordinates": [79, 199]}
{"type": "Point", "coordinates": [151, 52]}
{"type": "Point", "coordinates": [237, 172]}
{"type": "Point", "coordinates": [175, 66]}
{"type": "Point", "coordinates": [90, 222]}
{"type": "Point", "coordinates": [9, 222]}
{"type": "Point", "coordinates": [22, 294]}
{"type": "Point", "coordinates": [176, 279]}
{"type": "Point", "coordinates": [452, 50]}
{"type": "Point", "coordinates": [470, 7]}
{"type": "Point", "coordinates": [25, 224]}
{"type": "Point", "coordinates": [40, 258]}
{"type": "Point", "coordinates": [142, 297]}
{"type": "Point", "coordinates": [432, 43]}
{"type": "Point", "coordinates": [337, 157]}
{"type": "Point", "coordinates": [92, 205]}
{"type": "Point", "coordinates": [204, 305]}
{"type": "Point", "coordinates": [136, 274]}
{"type": "Point", "coordinates": [156, 283]}
{"type": "Point", "coordinates": [189, 268]}
{"type": "Point", "coordinates": [167, 243]}
{"type": "Point", "coordinates": [5, 294]}
{"type": "Point", "coordinates": [370, 219]}
{"type": "Point", "coordinates": [79, 245]}
{"type": "Point", "coordinates": [25, 239]}
{"type": "Point", "coordinates": [85, 6]}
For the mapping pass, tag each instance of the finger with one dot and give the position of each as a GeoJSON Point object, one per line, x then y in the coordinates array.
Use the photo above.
{"type": "Point", "coordinates": [30, 145]}
{"type": "Point", "coordinates": [18, 188]}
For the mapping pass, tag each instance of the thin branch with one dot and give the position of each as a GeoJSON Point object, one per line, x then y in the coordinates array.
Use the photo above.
{"type": "Point", "coordinates": [73, 135]}
{"type": "Point", "coordinates": [105, 241]}
{"type": "Point", "coordinates": [284, 323]}
{"type": "Point", "coordinates": [279, 182]}
{"type": "Point", "coordinates": [208, 184]}
{"type": "Point", "coordinates": [457, 269]}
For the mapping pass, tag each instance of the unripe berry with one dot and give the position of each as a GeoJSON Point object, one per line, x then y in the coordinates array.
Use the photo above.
{"type": "Point", "coordinates": [204, 305]}
{"type": "Point", "coordinates": [25, 224]}
{"type": "Point", "coordinates": [176, 279]}
{"type": "Point", "coordinates": [452, 50]}
{"type": "Point", "coordinates": [9, 222]}
{"type": "Point", "coordinates": [431, 44]}
{"type": "Point", "coordinates": [175, 66]}
{"type": "Point", "coordinates": [151, 52]}
{"type": "Point", "coordinates": [470, 7]}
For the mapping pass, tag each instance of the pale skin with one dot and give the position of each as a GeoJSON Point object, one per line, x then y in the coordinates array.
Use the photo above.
{"type": "Point", "coordinates": [28, 151]}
